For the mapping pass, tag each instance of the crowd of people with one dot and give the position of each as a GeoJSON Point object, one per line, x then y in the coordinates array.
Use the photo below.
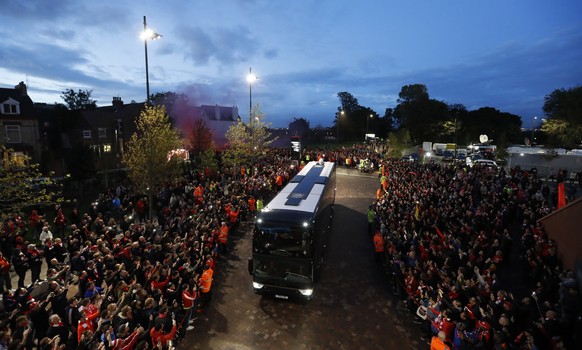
{"type": "Point", "coordinates": [118, 278]}
{"type": "Point", "coordinates": [449, 236]}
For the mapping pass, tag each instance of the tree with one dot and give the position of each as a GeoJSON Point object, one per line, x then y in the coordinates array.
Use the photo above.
{"type": "Point", "coordinates": [22, 185]}
{"type": "Point", "coordinates": [206, 160]}
{"type": "Point", "coordinates": [299, 127]}
{"type": "Point", "coordinates": [398, 141]}
{"type": "Point", "coordinates": [491, 122]}
{"type": "Point", "coordinates": [168, 99]}
{"type": "Point", "coordinates": [413, 93]}
{"type": "Point", "coordinates": [348, 102]}
{"type": "Point", "coordinates": [563, 109]}
{"type": "Point", "coordinates": [247, 142]}
{"type": "Point", "coordinates": [423, 117]}
{"type": "Point", "coordinates": [352, 118]}
{"type": "Point", "coordinates": [199, 137]}
{"type": "Point", "coordinates": [148, 149]}
{"type": "Point", "coordinates": [78, 100]}
{"type": "Point", "coordinates": [201, 146]}
{"type": "Point", "coordinates": [238, 151]}
{"type": "Point", "coordinates": [260, 137]}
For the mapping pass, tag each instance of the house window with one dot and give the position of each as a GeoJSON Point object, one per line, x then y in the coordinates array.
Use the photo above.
{"type": "Point", "coordinates": [10, 108]}
{"type": "Point", "coordinates": [87, 134]}
{"type": "Point", "coordinates": [102, 133]}
{"type": "Point", "coordinates": [107, 148]}
{"type": "Point", "coordinates": [12, 134]}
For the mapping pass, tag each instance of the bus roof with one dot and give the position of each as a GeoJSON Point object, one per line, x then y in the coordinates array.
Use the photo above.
{"type": "Point", "coordinates": [303, 192]}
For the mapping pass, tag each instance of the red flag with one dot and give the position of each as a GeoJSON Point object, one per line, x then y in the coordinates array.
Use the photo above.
{"type": "Point", "coordinates": [561, 195]}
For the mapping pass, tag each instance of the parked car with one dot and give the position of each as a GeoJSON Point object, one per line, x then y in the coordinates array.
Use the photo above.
{"type": "Point", "coordinates": [414, 157]}
{"type": "Point", "coordinates": [448, 156]}
{"type": "Point", "coordinates": [484, 163]}
{"type": "Point", "coordinates": [473, 157]}
{"type": "Point", "coordinates": [461, 156]}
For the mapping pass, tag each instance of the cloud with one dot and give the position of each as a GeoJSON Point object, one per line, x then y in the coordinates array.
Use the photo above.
{"type": "Point", "coordinates": [36, 9]}
{"type": "Point", "coordinates": [221, 45]}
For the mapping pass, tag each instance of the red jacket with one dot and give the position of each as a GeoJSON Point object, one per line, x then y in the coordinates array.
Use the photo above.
{"type": "Point", "coordinates": [159, 336]}
{"type": "Point", "coordinates": [188, 298]}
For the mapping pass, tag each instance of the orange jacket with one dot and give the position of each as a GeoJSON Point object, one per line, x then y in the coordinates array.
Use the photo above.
{"type": "Point", "coordinates": [252, 204]}
{"type": "Point", "coordinates": [223, 236]}
{"type": "Point", "coordinates": [205, 280]}
{"type": "Point", "coordinates": [233, 215]}
{"type": "Point", "coordinates": [378, 242]}
{"type": "Point", "coordinates": [199, 191]}
{"type": "Point", "coordinates": [437, 344]}
{"type": "Point", "coordinates": [379, 193]}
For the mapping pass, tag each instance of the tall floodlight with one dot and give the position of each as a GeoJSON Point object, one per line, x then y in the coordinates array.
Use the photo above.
{"type": "Point", "coordinates": [148, 34]}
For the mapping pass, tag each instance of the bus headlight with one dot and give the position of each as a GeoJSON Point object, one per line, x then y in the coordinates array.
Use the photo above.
{"type": "Point", "coordinates": [306, 292]}
{"type": "Point", "coordinates": [258, 285]}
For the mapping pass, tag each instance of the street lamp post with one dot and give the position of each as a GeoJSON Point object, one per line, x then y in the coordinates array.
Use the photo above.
{"type": "Point", "coordinates": [338, 123]}
{"type": "Point", "coordinates": [148, 34]}
{"type": "Point", "coordinates": [251, 78]}
{"type": "Point", "coordinates": [533, 129]}
{"type": "Point", "coordinates": [368, 124]}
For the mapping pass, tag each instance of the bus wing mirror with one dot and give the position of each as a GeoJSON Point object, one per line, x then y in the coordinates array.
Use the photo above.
{"type": "Point", "coordinates": [250, 265]}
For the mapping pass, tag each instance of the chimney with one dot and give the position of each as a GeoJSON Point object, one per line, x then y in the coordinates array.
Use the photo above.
{"type": "Point", "coordinates": [21, 88]}
{"type": "Point", "coordinates": [117, 102]}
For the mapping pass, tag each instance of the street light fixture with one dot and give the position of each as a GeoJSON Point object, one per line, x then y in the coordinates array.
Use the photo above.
{"type": "Point", "coordinates": [148, 34]}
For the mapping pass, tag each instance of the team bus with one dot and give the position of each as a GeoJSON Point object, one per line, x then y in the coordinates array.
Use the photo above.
{"type": "Point", "coordinates": [290, 234]}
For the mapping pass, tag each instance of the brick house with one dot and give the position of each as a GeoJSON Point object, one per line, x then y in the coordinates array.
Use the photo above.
{"type": "Point", "coordinates": [218, 119]}
{"type": "Point", "coordinates": [19, 123]}
{"type": "Point", "coordinates": [106, 130]}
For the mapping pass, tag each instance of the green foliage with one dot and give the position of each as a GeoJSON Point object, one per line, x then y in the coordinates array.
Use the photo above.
{"type": "Point", "coordinates": [348, 102]}
{"type": "Point", "coordinates": [562, 133]}
{"type": "Point", "coordinates": [22, 185]}
{"type": "Point", "coordinates": [78, 100]}
{"type": "Point", "coordinates": [491, 122]}
{"type": "Point", "coordinates": [355, 121]}
{"type": "Point", "coordinates": [398, 141]}
{"type": "Point", "coordinates": [299, 127]}
{"type": "Point", "coordinates": [413, 93]}
{"type": "Point", "coordinates": [206, 160]}
{"type": "Point", "coordinates": [147, 150]}
{"type": "Point", "coordinates": [168, 99]}
{"type": "Point", "coordinates": [260, 138]}
{"type": "Point", "coordinates": [564, 111]}
{"type": "Point", "coordinates": [247, 142]}
{"type": "Point", "coordinates": [423, 117]}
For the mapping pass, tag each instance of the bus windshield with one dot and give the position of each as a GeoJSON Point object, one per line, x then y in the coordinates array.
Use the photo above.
{"type": "Point", "coordinates": [282, 241]}
{"type": "Point", "coordinates": [291, 271]}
